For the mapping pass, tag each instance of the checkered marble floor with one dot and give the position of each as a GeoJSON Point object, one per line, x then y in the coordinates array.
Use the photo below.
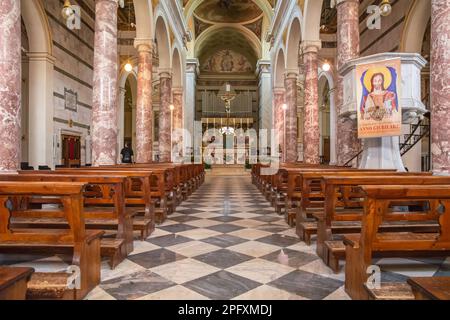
{"type": "Point", "coordinates": [226, 242]}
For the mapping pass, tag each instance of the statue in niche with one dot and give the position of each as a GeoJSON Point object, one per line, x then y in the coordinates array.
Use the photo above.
{"type": "Point", "coordinates": [227, 62]}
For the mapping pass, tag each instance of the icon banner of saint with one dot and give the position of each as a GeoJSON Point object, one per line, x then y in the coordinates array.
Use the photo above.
{"type": "Point", "coordinates": [379, 110]}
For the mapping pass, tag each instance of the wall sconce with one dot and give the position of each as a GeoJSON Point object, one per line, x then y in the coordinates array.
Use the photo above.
{"type": "Point", "coordinates": [326, 67]}
{"type": "Point", "coordinates": [385, 8]}
{"type": "Point", "coordinates": [67, 10]}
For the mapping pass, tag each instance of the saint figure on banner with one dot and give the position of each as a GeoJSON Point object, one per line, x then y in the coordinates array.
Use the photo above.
{"type": "Point", "coordinates": [379, 99]}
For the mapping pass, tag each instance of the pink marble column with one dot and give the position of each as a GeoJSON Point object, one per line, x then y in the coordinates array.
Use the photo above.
{"type": "Point", "coordinates": [348, 144]}
{"type": "Point", "coordinates": [440, 86]}
{"type": "Point", "coordinates": [177, 123]}
{"type": "Point", "coordinates": [144, 111]}
{"type": "Point", "coordinates": [290, 84]}
{"type": "Point", "coordinates": [278, 124]}
{"type": "Point", "coordinates": [164, 117]}
{"type": "Point", "coordinates": [311, 132]}
{"type": "Point", "coordinates": [104, 110]}
{"type": "Point", "coordinates": [177, 96]}
{"type": "Point", "coordinates": [10, 85]}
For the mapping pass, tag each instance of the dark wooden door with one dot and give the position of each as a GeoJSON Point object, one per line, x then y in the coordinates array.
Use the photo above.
{"type": "Point", "coordinates": [71, 150]}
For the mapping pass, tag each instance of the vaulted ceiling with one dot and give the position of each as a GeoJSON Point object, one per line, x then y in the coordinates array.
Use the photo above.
{"type": "Point", "coordinates": [228, 11]}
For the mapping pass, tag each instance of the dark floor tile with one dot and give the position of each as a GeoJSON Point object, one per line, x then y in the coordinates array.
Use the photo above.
{"type": "Point", "coordinates": [155, 258]}
{"type": "Point", "coordinates": [222, 285]}
{"type": "Point", "coordinates": [188, 211]}
{"type": "Point", "coordinates": [279, 240]}
{"type": "Point", "coordinates": [175, 228]}
{"type": "Point", "coordinates": [224, 240]}
{"type": "Point", "coordinates": [306, 284]}
{"type": "Point", "coordinates": [296, 259]}
{"type": "Point", "coordinates": [136, 285]}
{"type": "Point", "coordinates": [267, 218]}
{"type": "Point", "coordinates": [387, 276]}
{"type": "Point", "coordinates": [184, 218]}
{"type": "Point", "coordinates": [225, 228]}
{"type": "Point", "coordinates": [168, 240]}
{"type": "Point", "coordinates": [225, 219]}
{"type": "Point", "coordinates": [273, 228]}
{"type": "Point", "coordinates": [223, 258]}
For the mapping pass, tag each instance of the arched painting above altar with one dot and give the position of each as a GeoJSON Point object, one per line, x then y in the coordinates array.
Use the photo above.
{"type": "Point", "coordinates": [227, 61]}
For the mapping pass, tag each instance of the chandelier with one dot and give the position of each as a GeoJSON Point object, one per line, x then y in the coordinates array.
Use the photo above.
{"type": "Point", "coordinates": [227, 131]}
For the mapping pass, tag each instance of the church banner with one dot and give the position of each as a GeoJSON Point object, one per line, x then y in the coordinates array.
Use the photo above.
{"type": "Point", "coordinates": [378, 96]}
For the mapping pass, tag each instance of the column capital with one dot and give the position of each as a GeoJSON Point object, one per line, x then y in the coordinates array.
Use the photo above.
{"type": "Point", "coordinates": [291, 74]}
{"type": "Point", "coordinates": [177, 90]}
{"type": "Point", "coordinates": [143, 44]}
{"type": "Point", "coordinates": [41, 56]}
{"type": "Point", "coordinates": [165, 73]}
{"type": "Point", "coordinates": [309, 46]}
{"type": "Point", "coordinates": [192, 66]}
{"type": "Point", "coordinates": [279, 90]}
{"type": "Point", "coordinates": [263, 66]}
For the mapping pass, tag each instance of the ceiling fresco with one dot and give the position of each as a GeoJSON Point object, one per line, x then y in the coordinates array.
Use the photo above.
{"type": "Point", "coordinates": [228, 11]}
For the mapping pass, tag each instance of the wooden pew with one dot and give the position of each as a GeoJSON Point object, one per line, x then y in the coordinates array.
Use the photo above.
{"type": "Point", "coordinates": [304, 187]}
{"type": "Point", "coordinates": [360, 248]}
{"type": "Point", "coordinates": [84, 245]}
{"type": "Point", "coordinates": [136, 201]}
{"type": "Point", "coordinates": [430, 288]}
{"type": "Point", "coordinates": [104, 209]}
{"type": "Point", "coordinates": [161, 185]}
{"type": "Point", "coordinates": [13, 282]}
{"type": "Point", "coordinates": [344, 208]}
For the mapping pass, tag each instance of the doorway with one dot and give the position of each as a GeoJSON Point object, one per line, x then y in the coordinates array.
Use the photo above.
{"type": "Point", "coordinates": [71, 150]}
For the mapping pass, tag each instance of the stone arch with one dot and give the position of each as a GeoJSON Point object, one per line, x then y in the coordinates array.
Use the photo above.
{"type": "Point", "coordinates": [177, 68]}
{"type": "Point", "coordinates": [415, 26]}
{"type": "Point", "coordinates": [131, 78]}
{"type": "Point", "coordinates": [293, 44]}
{"type": "Point", "coordinates": [327, 77]}
{"type": "Point", "coordinates": [279, 68]}
{"type": "Point", "coordinates": [193, 4]}
{"type": "Point", "coordinates": [311, 23]}
{"type": "Point", "coordinates": [144, 19]}
{"type": "Point", "coordinates": [40, 83]}
{"type": "Point", "coordinates": [162, 38]}
{"type": "Point", "coordinates": [211, 31]}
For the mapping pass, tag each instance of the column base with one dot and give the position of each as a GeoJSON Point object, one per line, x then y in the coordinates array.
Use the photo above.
{"type": "Point", "coordinates": [382, 153]}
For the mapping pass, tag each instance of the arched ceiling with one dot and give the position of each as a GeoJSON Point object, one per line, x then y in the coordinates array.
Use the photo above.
{"type": "Point", "coordinates": [226, 38]}
{"type": "Point", "coordinates": [228, 11]}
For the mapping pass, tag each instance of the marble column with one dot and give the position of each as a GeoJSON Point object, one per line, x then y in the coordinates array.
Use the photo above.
{"type": "Point", "coordinates": [348, 144]}
{"type": "Point", "coordinates": [265, 99]}
{"type": "Point", "coordinates": [311, 131]}
{"type": "Point", "coordinates": [104, 109]}
{"type": "Point", "coordinates": [440, 86]}
{"type": "Point", "coordinates": [10, 85]}
{"type": "Point", "coordinates": [278, 115]}
{"type": "Point", "coordinates": [189, 109]}
{"type": "Point", "coordinates": [165, 79]}
{"type": "Point", "coordinates": [144, 110]}
{"type": "Point", "coordinates": [290, 84]}
{"type": "Point", "coordinates": [177, 123]}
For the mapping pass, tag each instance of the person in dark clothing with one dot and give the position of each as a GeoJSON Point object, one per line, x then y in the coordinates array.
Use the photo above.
{"type": "Point", "coordinates": [127, 154]}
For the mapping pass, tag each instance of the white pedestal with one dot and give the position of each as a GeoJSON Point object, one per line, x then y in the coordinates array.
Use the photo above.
{"type": "Point", "coordinates": [382, 153]}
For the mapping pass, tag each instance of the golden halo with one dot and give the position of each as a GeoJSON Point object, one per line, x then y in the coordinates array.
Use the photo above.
{"type": "Point", "coordinates": [371, 71]}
